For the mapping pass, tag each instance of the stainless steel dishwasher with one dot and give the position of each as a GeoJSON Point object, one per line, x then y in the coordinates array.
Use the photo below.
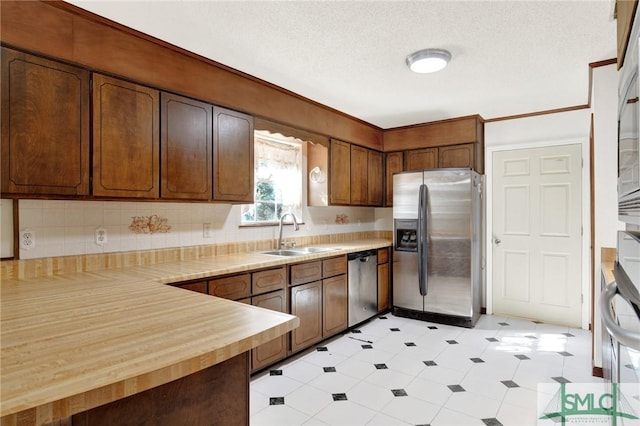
{"type": "Point", "coordinates": [363, 286]}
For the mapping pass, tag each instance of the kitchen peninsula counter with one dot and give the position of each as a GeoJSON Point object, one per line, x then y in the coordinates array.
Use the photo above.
{"type": "Point", "coordinates": [75, 341]}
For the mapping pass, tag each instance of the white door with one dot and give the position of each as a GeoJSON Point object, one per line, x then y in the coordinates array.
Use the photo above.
{"type": "Point", "coordinates": [537, 234]}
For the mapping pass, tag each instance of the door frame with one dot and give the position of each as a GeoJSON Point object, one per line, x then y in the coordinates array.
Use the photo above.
{"type": "Point", "coordinates": [586, 218]}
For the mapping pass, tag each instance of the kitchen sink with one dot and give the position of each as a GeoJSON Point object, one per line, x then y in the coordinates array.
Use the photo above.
{"type": "Point", "coordinates": [282, 252]}
{"type": "Point", "coordinates": [298, 251]}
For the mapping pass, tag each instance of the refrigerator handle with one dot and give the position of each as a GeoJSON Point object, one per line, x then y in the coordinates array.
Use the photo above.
{"type": "Point", "coordinates": [423, 239]}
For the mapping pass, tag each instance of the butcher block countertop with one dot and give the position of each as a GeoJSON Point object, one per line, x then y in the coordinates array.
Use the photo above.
{"type": "Point", "coordinates": [75, 341]}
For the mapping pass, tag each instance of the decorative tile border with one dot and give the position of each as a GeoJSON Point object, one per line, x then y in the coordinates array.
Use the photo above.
{"type": "Point", "coordinates": [42, 267]}
{"type": "Point", "coordinates": [149, 224]}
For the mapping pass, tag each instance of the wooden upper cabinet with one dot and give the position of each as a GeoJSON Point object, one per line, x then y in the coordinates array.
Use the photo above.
{"type": "Point", "coordinates": [456, 156]}
{"type": "Point", "coordinates": [393, 164]}
{"type": "Point", "coordinates": [375, 178]}
{"type": "Point", "coordinates": [625, 10]}
{"type": "Point", "coordinates": [232, 156]}
{"type": "Point", "coordinates": [340, 172]}
{"type": "Point", "coordinates": [358, 175]}
{"type": "Point", "coordinates": [186, 144]}
{"type": "Point", "coordinates": [45, 126]}
{"type": "Point", "coordinates": [421, 159]}
{"type": "Point", "coordinates": [126, 139]}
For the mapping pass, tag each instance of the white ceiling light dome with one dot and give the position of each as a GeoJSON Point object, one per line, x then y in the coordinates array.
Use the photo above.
{"type": "Point", "coordinates": [428, 60]}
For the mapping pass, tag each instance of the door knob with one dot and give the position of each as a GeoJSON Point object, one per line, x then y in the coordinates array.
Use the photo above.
{"type": "Point", "coordinates": [497, 241]}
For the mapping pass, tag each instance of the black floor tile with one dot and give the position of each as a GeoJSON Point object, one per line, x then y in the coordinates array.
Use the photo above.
{"type": "Point", "coordinates": [477, 360]}
{"type": "Point", "coordinates": [399, 392]}
{"type": "Point", "coordinates": [394, 329]}
{"type": "Point", "coordinates": [278, 400]}
{"type": "Point", "coordinates": [322, 349]}
{"type": "Point", "coordinates": [429, 363]}
{"type": "Point", "coordinates": [568, 334]}
{"type": "Point", "coordinates": [275, 372]}
{"type": "Point", "coordinates": [367, 347]}
{"type": "Point", "coordinates": [492, 422]}
{"type": "Point", "coordinates": [565, 353]}
{"type": "Point", "coordinates": [452, 342]}
{"type": "Point", "coordinates": [456, 388]}
{"type": "Point", "coordinates": [380, 366]}
{"type": "Point", "coordinates": [329, 369]}
{"type": "Point", "coordinates": [339, 396]}
{"type": "Point", "coordinates": [510, 384]}
{"type": "Point", "coordinates": [356, 331]}
{"type": "Point", "coordinates": [522, 357]}
{"type": "Point", "coordinates": [382, 317]}
{"type": "Point", "coordinates": [561, 379]}
{"type": "Point", "coordinates": [410, 344]}
{"type": "Point", "coordinates": [432, 327]}
{"type": "Point", "coordinates": [504, 324]}
{"type": "Point", "coordinates": [492, 339]}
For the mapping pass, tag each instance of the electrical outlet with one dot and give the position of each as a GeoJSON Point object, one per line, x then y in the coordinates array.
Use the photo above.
{"type": "Point", "coordinates": [207, 232]}
{"type": "Point", "coordinates": [27, 239]}
{"type": "Point", "coordinates": [101, 236]}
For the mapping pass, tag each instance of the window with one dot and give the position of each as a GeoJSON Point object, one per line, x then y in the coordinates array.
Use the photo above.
{"type": "Point", "coordinates": [278, 179]}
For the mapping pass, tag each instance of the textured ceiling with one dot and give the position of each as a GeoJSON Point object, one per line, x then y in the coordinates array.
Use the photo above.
{"type": "Point", "coordinates": [509, 57]}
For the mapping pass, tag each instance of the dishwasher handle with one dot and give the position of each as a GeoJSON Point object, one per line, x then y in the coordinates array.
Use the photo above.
{"type": "Point", "coordinates": [362, 256]}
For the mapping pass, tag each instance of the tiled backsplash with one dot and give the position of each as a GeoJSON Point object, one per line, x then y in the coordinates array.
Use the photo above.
{"type": "Point", "coordinates": [64, 228]}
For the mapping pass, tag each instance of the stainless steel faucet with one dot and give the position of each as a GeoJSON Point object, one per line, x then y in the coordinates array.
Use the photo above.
{"type": "Point", "coordinates": [281, 244]}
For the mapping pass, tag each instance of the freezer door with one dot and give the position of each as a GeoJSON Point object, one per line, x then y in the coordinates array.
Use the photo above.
{"type": "Point", "coordinates": [405, 195]}
{"type": "Point", "coordinates": [406, 293]}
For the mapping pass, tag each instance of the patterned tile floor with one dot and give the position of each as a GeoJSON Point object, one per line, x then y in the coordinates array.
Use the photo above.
{"type": "Point", "coordinates": [397, 371]}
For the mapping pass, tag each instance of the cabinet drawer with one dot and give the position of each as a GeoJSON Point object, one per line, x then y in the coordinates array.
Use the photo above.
{"type": "Point", "coordinates": [235, 287]}
{"type": "Point", "coordinates": [306, 272]}
{"type": "Point", "coordinates": [269, 280]}
{"type": "Point", "coordinates": [334, 266]}
{"type": "Point", "coordinates": [200, 286]}
{"type": "Point", "coordinates": [383, 255]}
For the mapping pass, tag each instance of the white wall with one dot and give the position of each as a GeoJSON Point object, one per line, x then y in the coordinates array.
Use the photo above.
{"type": "Point", "coordinates": [605, 166]}
{"type": "Point", "coordinates": [64, 228]}
{"type": "Point", "coordinates": [6, 228]}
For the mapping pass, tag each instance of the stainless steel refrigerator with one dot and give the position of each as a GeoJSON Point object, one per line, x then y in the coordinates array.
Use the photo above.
{"type": "Point", "coordinates": [437, 247]}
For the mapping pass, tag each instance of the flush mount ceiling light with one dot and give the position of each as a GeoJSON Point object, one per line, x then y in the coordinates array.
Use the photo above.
{"type": "Point", "coordinates": [428, 60]}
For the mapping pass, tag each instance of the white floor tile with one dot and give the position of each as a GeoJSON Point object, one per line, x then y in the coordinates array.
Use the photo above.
{"type": "Point", "coordinates": [479, 361]}
{"type": "Point", "coordinates": [308, 399]}
{"type": "Point", "coordinates": [411, 410]}
{"type": "Point", "coordinates": [278, 415]}
{"type": "Point", "coordinates": [473, 404]}
{"type": "Point", "coordinates": [448, 417]}
{"type": "Point", "coordinates": [345, 413]}
{"type": "Point", "coordinates": [370, 395]}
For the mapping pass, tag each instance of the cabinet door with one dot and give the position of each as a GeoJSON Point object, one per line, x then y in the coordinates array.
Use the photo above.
{"type": "Point", "coordinates": [45, 126]}
{"type": "Point", "coordinates": [269, 280]}
{"type": "Point", "coordinates": [384, 292]}
{"type": "Point", "coordinates": [306, 304]}
{"type": "Point", "coordinates": [306, 272]}
{"type": "Point", "coordinates": [340, 172]}
{"type": "Point", "coordinates": [185, 148]}
{"type": "Point", "coordinates": [232, 156]}
{"type": "Point", "coordinates": [334, 266]}
{"type": "Point", "coordinates": [421, 159]}
{"type": "Point", "coordinates": [358, 173]}
{"type": "Point", "coordinates": [375, 178]}
{"type": "Point", "coordinates": [126, 143]}
{"type": "Point", "coordinates": [456, 156]}
{"type": "Point", "coordinates": [393, 164]}
{"type": "Point", "coordinates": [276, 349]}
{"type": "Point", "coordinates": [234, 287]}
{"type": "Point", "coordinates": [334, 305]}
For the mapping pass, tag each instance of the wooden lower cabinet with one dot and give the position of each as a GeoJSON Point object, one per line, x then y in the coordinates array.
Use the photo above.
{"type": "Point", "coordinates": [275, 350]}
{"type": "Point", "coordinates": [233, 287]}
{"type": "Point", "coordinates": [218, 395]}
{"type": "Point", "coordinates": [198, 287]}
{"type": "Point", "coordinates": [306, 304]}
{"type": "Point", "coordinates": [384, 290]}
{"type": "Point", "coordinates": [334, 305]}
